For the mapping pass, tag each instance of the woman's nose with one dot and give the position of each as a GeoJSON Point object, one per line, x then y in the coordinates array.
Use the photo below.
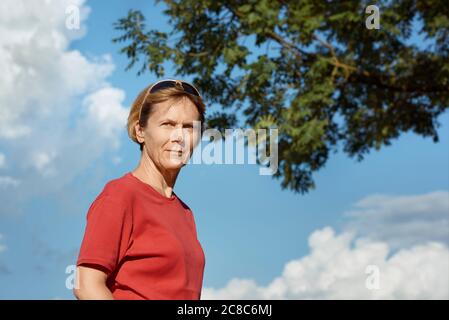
{"type": "Point", "coordinates": [178, 135]}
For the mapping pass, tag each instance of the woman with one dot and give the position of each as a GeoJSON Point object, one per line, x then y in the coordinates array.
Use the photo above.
{"type": "Point", "coordinates": [140, 240]}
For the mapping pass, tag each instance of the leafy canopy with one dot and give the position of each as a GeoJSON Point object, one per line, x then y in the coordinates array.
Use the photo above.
{"type": "Point", "coordinates": [309, 68]}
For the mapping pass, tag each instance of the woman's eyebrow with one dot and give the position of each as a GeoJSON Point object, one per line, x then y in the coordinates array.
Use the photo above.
{"type": "Point", "coordinates": [175, 122]}
{"type": "Point", "coordinates": [168, 120]}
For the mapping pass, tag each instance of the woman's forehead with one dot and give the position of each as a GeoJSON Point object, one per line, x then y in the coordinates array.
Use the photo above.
{"type": "Point", "coordinates": [182, 108]}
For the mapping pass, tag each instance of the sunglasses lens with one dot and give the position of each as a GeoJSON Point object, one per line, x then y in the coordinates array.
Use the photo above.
{"type": "Point", "coordinates": [190, 89]}
{"type": "Point", "coordinates": [162, 85]}
{"type": "Point", "coordinates": [171, 84]}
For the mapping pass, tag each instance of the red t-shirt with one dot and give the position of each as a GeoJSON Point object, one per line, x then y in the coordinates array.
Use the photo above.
{"type": "Point", "coordinates": [147, 243]}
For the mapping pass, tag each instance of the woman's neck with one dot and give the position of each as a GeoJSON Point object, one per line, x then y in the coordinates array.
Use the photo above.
{"type": "Point", "coordinates": [161, 180]}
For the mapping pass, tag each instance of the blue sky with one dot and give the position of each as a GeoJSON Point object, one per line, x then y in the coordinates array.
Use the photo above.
{"type": "Point", "coordinates": [248, 226]}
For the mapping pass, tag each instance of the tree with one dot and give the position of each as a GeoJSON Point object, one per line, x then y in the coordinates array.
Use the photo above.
{"type": "Point", "coordinates": [310, 68]}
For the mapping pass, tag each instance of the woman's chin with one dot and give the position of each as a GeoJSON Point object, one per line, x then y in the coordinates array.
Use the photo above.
{"type": "Point", "coordinates": [174, 164]}
{"type": "Point", "coordinates": [176, 161]}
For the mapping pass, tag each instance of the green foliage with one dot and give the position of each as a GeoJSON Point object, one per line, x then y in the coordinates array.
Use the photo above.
{"type": "Point", "coordinates": [309, 68]}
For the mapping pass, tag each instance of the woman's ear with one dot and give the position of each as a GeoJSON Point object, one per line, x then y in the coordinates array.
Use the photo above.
{"type": "Point", "coordinates": [139, 133]}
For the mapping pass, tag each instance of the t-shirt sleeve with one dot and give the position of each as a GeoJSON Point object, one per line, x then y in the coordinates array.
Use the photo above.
{"type": "Point", "coordinates": [107, 233]}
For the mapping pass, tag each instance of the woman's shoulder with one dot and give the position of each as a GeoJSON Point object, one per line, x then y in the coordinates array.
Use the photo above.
{"type": "Point", "coordinates": [119, 189]}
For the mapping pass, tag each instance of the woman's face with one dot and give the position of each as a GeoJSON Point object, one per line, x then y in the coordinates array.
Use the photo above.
{"type": "Point", "coordinates": [169, 135]}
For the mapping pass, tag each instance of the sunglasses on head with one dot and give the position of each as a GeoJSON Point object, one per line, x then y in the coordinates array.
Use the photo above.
{"type": "Point", "coordinates": [169, 83]}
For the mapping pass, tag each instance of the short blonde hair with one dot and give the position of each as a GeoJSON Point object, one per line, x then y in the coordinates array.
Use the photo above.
{"type": "Point", "coordinates": [151, 99]}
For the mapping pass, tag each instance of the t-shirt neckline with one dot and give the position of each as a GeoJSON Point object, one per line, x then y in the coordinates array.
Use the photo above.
{"type": "Point", "coordinates": [173, 196]}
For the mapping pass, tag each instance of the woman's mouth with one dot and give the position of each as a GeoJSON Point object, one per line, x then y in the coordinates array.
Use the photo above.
{"type": "Point", "coordinates": [176, 153]}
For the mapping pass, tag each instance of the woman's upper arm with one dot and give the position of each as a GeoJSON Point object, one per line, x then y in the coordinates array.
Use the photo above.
{"type": "Point", "coordinates": [107, 233]}
{"type": "Point", "coordinates": [90, 282]}
{"type": "Point", "coordinates": [90, 275]}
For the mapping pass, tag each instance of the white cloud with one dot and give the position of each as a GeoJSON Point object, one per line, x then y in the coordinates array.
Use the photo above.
{"type": "Point", "coordinates": [402, 220]}
{"type": "Point", "coordinates": [106, 112]}
{"type": "Point", "coordinates": [411, 266]}
{"type": "Point", "coordinates": [58, 113]}
{"type": "Point", "coordinates": [38, 72]}
{"type": "Point", "coordinates": [335, 269]}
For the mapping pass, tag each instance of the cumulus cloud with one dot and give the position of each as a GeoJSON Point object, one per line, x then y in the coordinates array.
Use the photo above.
{"type": "Point", "coordinates": [105, 110]}
{"type": "Point", "coordinates": [39, 73]}
{"type": "Point", "coordinates": [337, 269]}
{"type": "Point", "coordinates": [58, 113]}
{"type": "Point", "coordinates": [387, 263]}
